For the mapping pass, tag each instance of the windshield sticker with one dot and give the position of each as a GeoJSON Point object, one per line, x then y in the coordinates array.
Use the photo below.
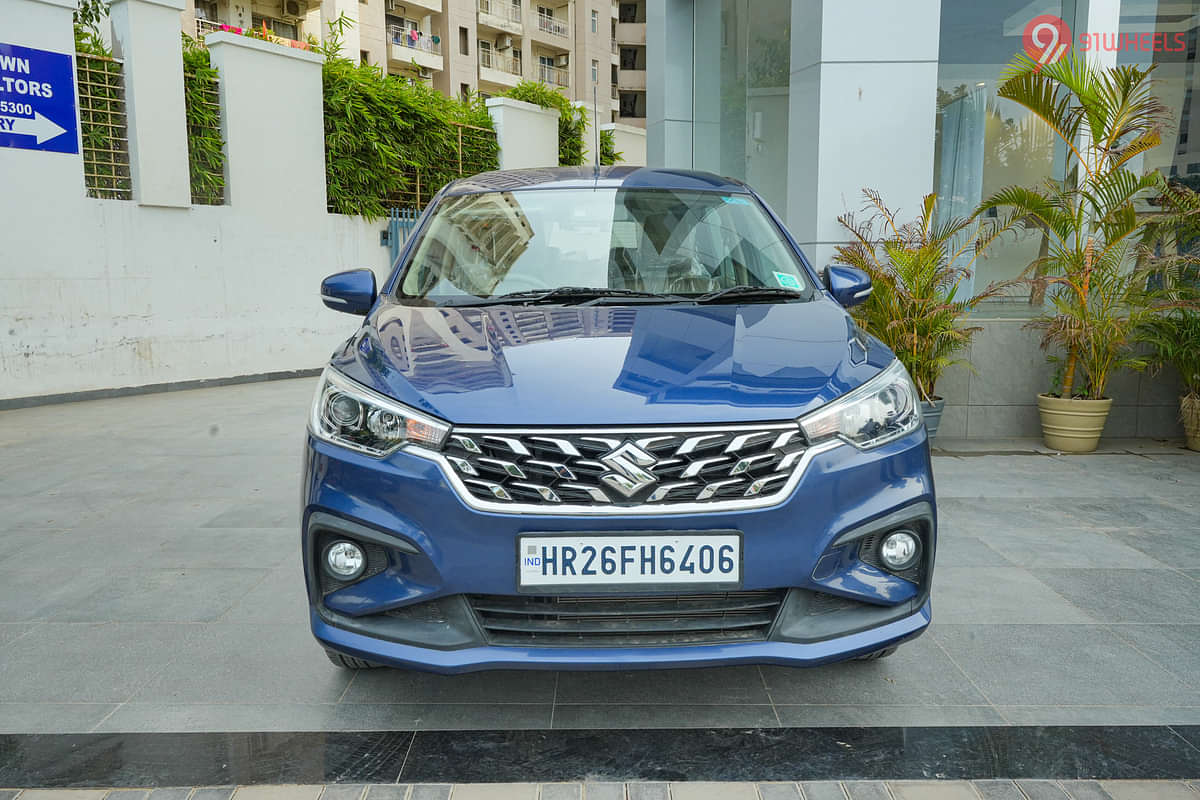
{"type": "Point", "coordinates": [787, 281]}
{"type": "Point", "coordinates": [737, 201]}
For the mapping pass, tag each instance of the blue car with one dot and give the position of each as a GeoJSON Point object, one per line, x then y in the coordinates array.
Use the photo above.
{"type": "Point", "coordinates": [611, 418]}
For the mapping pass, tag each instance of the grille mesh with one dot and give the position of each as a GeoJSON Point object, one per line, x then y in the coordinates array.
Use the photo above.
{"type": "Point", "coordinates": [711, 465]}
{"type": "Point", "coordinates": [709, 618]}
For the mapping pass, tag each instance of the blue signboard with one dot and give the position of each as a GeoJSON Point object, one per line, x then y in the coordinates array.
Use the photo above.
{"type": "Point", "coordinates": [37, 100]}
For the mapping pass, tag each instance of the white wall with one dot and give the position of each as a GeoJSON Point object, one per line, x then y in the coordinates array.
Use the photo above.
{"type": "Point", "coordinates": [527, 134]}
{"type": "Point", "coordinates": [629, 141]}
{"type": "Point", "coordinates": [98, 294]}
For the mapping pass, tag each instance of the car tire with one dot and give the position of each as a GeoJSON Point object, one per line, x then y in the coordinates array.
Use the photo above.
{"type": "Point", "coordinates": [878, 654]}
{"type": "Point", "coordinates": [350, 662]}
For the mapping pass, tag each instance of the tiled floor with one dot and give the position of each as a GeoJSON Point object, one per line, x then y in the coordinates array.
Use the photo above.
{"type": "Point", "coordinates": [818, 790]}
{"type": "Point", "coordinates": [150, 580]}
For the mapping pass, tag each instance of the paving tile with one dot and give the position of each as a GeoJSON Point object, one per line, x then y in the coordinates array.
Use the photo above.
{"type": "Point", "coordinates": [1145, 790]}
{"type": "Point", "coordinates": [236, 663]}
{"type": "Point", "coordinates": [9, 794]}
{"type": "Point", "coordinates": [561, 791]}
{"type": "Point", "coordinates": [343, 791]}
{"type": "Point", "coordinates": [407, 686]}
{"type": "Point", "coordinates": [866, 790]}
{"type": "Point", "coordinates": [138, 717]}
{"type": "Point", "coordinates": [281, 596]}
{"type": "Point", "coordinates": [960, 550]}
{"type": "Point", "coordinates": [1176, 648]}
{"type": "Point", "coordinates": [43, 717]}
{"type": "Point", "coordinates": [1138, 514]}
{"type": "Point", "coordinates": [998, 790]}
{"type": "Point", "coordinates": [1072, 548]}
{"type": "Point", "coordinates": [1173, 548]}
{"type": "Point", "coordinates": [1101, 715]}
{"type": "Point", "coordinates": [1127, 595]}
{"type": "Point", "coordinates": [1084, 790]}
{"type": "Point", "coordinates": [873, 716]}
{"type": "Point", "coordinates": [63, 794]}
{"type": "Point", "coordinates": [441, 716]}
{"type": "Point", "coordinates": [919, 673]}
{"type": "Point", "coordinates": [990, 595]}
{"type": "Point", "coordinates": [294, 792]}
{"type": "Point", "coordinates": [171, 793]}
{"type": "Point", "coordinates": [11, 631]}
{"type": "Point", "coordinates": [647, 791]}
{"type": "Point", "coordinates": [724, 685]}
{"type": "Point", "coordinates": [700, 790]}
{"type": "Point", "coordinates": [386, 791]}
{"type": "Point", "coordinates": [128, 794]}
{"type": "Point", "coordinates": [1055, 665]}
{"type": "Point", "coordinates": [495, 791]}
{"type": "Point", "coordinates": [213, 793]}
{"type": "Point", "coordinates": [88, 663]}
{"type": "Point", "coordinates": [168, 595]}
{"type": "Point", "coordinates": [932, 790]}
{"type": "Point", "coordinates": [779, 791]}
{"type": "Point", "coordinates": [1042, 790]}
{"type": "Point", "coordinates": [663, 716]}
{"type": "Point", "coordinates": [430, 791]}
{"type": "Point", "coordinates": [822, 790]}
{"type": "Point", "coordinates": [603, 791]}
{"type": "Point", "coordinates": [30, 594]}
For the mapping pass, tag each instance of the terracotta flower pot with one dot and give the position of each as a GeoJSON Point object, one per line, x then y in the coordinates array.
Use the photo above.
{"type": "Point", "coordinates": [1189, 412]}
{"type": "Point", "coordinates": [933, 415]}
{"type": "Point", "coordinates": [1072, 426]}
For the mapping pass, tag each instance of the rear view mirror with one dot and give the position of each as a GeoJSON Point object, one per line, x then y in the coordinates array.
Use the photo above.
{"type": "Point", "coordinates": [352, 292]}
{"type": "Point", "coordinates": [849, 286]}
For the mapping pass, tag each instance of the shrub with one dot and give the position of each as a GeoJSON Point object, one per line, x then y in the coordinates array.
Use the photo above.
{"type": "Point", "coordinates": [206, 158]}
{"type": "Point", "coordinates": [572, 120]}
{"type": "Point", "coordinates": [608, 149]}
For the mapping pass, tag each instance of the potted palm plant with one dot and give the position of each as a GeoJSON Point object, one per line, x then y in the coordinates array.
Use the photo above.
{"type": "Point", "coordinates": [1103, 118]}
{"type": "Point", "coordinates": [1174, 338]}
{"type": "Point", "coordinates": [918, 300]}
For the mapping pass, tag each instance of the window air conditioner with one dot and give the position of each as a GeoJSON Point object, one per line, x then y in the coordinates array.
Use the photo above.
{"type": "Point", "coordinates": [504, 42]}
{"type": "Point", "coordinates": [293, 8]}
{"type": "Point", "coordinates": [562, 60]}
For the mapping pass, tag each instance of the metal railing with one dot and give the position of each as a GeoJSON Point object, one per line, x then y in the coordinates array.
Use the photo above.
{"type": "Point", "coordinates": [616, 50]}
{"type": "Point", "coordinates": [505, 9]}
{"type": "Point", "coordinates": [398, 34]}
{"type": "Point", "coordinates": [552, 25]}
{"type": "Point", "coordinates": [493, 60]}
{"type": "Point", "coordinates": [553, 76]}
{"type": "Point", "coordinates": [204, 26]}
{"type": "Point", "coordinates": [616, 95]}
{"type": "Point", "coordinates": [103, 126]}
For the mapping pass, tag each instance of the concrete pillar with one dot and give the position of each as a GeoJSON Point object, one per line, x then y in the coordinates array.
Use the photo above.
{"type": "Point", "coordinates": [527, 134]}
{"type": "Point", "coordinates": [144, 35]}
{"type": "Point", "coordinates": [43, 177]}
{"type": "Point", "coordinates": [272, 123]}
{"type": "Point", "coordinates": [669, 95]}
{"type": "Point", "coordinates": [351, 37]}
{"type": "Point", "coordinates": [862, 98]}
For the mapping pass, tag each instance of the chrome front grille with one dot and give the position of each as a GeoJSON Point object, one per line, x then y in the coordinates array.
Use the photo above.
{"type": "Point", "coordinates": [651, 468]}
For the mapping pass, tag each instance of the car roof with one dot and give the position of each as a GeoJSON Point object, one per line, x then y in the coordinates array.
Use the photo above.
{"type": "Point", "coordinates": [589, 177]}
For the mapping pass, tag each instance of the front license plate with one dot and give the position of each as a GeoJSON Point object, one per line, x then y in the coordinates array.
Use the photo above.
{"type": "Point", "coordinates": [598, 562]}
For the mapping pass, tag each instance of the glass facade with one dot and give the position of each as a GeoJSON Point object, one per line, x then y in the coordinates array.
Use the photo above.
{"type": "Point", "coordinates": [742, 65]}
{"type": "Point", "coordinates": [985, 143]}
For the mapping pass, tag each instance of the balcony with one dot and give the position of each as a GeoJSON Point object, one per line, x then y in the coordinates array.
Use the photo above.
{"type": "Point", "coordinates": [553, 25]}
{"type": "Point", "coordinates": [615, 94]}
{"type": "Point", "coordinates": [632, 80]}
{"type": "Point", "coordinates": [554, 76]}
{"type": "Point", "coordinates": [404, 50]}
{"type": "Point", "coordinates": [503, 15]}
{"type": "Point", "coordinates": [499, 68]}
{"type": "Point", "coordinates": [631, 33]}
{"type": "Point", "coordinates": [431, 5]}
{"type": "Point", "coordinates": [206, 26]}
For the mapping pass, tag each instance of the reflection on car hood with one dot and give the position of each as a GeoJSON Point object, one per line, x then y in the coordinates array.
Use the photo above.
{"type": "Point", "coordinates": [612, 365]}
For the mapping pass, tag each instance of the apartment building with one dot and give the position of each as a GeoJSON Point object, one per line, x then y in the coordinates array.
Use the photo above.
{"type": "Point", "coordinates": [629, 72]}
{"type": "Point", "coordinates": [460, 46]}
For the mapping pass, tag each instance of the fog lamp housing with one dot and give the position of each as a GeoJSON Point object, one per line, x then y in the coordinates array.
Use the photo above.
{"type": "Point", "coordinates": [344, 560]}
{"type": "Point", "coordinates": [900, 549]}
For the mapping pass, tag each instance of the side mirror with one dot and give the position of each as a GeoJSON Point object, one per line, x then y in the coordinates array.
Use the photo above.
{"type": "Point", "coordinates": [352, 292]}
{"type": "Point", "coordinates": [849, 286]}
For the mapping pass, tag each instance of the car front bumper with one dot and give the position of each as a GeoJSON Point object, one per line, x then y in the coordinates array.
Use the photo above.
{"type": "Point", "coordinates": [414, 610]}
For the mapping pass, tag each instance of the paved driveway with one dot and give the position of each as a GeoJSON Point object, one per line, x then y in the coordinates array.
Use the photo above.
{"type": "Point", "coordinates": [150, 580]}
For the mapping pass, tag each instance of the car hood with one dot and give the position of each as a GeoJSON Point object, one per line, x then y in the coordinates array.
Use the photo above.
{"type": "Point", "coordinates": [612, 365]}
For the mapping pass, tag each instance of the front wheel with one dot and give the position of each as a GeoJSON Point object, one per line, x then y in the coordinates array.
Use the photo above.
{"type": "Point", "coordinates": [878, 654]}
{"type": "Point", "coordinates": [350, 662]}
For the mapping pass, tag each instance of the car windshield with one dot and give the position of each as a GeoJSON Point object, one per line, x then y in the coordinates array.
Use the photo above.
{"type": "Point", "coordinates": [568, 245]}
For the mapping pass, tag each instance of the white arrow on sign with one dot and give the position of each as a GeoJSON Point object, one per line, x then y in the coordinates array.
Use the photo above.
{"type": "Point", "coordinates": [44, 129]}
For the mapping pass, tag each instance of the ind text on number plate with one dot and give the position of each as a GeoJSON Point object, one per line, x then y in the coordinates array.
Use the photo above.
{"type": "Point", "coordinates": [629, 560]}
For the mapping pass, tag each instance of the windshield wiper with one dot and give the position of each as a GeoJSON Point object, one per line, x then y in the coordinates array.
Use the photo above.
{"type": "Point", "coordinates": [738, 293]}
{"type": "Point", "coordinates": [568, 293]}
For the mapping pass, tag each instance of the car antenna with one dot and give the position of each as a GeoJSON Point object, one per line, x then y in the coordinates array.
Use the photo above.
{"type": "Point", "coordinates": [596, 123]}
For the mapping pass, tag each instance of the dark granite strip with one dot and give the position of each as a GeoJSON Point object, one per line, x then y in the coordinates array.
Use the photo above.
{"type": "Point", "coordinates": [200, 759]}
{"type": "Point", "coordinates": [777, 754]}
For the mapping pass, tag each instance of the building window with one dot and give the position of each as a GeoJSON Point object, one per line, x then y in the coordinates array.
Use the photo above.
{"type": "Point", "coordinates": [277, 27]}
{"type": "Point", "coordinates": [464, 41]}
{"type": "Point", "coordinates": [206, 9]}
{"type": "Point", "coordinates": [464, 89]}
{"type": "Point", "coordinates": [595, 21]}
{"type": "Point", "coordinates": [595, 71]}
{"type": "Point", "coordinates": [364, 57]}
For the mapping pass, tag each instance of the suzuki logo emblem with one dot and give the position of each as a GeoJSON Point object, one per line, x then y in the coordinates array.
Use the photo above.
{"type": "Point", "coordinates": [629, 474]}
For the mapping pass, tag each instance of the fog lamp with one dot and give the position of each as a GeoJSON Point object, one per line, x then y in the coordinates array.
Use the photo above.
{"type": "Point", "coordinates": [344, 560]}
{"type": "Point", "coordinates": [900, 549]}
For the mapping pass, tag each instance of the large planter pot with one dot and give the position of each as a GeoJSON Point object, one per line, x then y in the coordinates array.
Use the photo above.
{"type": "Point", "coordinates": [1072, 426]}
{"type": "Point", "coordinates": [933, 415]}
{"type": "Point", "coordinates": [1189, 412]}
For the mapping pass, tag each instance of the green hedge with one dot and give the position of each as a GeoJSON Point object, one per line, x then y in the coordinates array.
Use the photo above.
{"type": "Point", "coordinates": [206, 156]}
{"type": "Point", "coordinates": [572, 121]}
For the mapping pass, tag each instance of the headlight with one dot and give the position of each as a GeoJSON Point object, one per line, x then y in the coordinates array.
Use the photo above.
{"type": "Point", "coordinates": [882, 409]}
{"type": "Point", "coordinates": [351, 415]}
